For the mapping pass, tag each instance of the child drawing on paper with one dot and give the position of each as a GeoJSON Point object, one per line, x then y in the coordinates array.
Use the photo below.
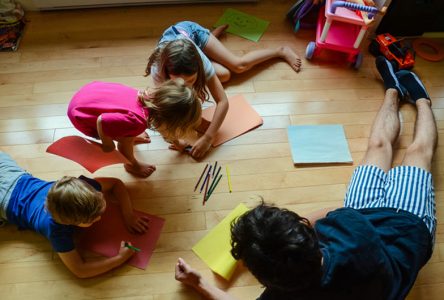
{"type": "Point", "coordinates": [185, 50]}
{"type": "Point", "coordinates": [56, 209]}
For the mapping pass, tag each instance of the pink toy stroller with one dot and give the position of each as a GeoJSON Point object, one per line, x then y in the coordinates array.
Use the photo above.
{"type": "Point", "coordinates": [341, 28]}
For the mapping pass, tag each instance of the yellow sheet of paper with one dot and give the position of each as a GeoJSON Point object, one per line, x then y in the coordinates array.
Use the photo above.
{"type": "Point", "coordinates": [214, 248]}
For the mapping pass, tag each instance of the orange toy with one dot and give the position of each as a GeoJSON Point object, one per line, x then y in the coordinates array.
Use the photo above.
{"type": "Point", "coordinates": [387, 45]}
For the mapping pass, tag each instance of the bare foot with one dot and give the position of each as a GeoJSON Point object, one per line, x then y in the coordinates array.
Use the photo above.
{"type": "Point", "coordinates": [142, 138]}
{"type": "Point", "coordinates": [140, 170]}
{"type": "Point", "coordinates": [217, 32]}
{"type": "Point", "coordinates": [291, 57]}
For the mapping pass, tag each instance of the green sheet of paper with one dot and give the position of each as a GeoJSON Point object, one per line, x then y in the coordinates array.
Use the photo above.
{"type": "Point", "coordinates": [243, 25]}
{"type": "Point", "coordinates": [214, 248]}
{"type": "Point", "coordinates": [318, 144]}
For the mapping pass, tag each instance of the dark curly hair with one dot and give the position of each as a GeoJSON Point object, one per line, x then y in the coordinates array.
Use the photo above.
{"type": "Point", "coordinates": [279, 247]}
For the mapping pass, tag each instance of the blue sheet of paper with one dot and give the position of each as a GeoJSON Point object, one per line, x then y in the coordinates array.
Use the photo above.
{"type": "Point", "coordinates": [314, 144]}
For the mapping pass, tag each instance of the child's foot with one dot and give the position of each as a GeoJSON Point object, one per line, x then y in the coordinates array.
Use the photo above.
{"type": "Point", "coordinates": [142, 138]}
{"type": "Point", "coordinates": [140, 170]}
{"type": "Point", "coordinates": [291, 58]}
{"type": "Point", "coordinates": [218, 31]}
{"type": "Point", "coordinates": [388, 75]}
{"type": "Point", "coordinates": [413, 84]}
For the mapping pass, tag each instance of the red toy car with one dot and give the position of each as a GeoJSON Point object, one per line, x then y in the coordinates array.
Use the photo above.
{"type": "Point", "coordinates": [403, 57]}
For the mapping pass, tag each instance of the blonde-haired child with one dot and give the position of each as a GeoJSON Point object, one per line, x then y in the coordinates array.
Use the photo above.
{"type": "Point", "coordinates": [115, 112]}
{"type": "Point", "coordinates": [185, 50]}
{"type": "Point", "coordinates": [55, 209]}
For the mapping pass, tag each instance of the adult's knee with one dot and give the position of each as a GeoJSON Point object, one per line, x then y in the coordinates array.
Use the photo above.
{"type": "Point", "coordinates": [378, 143]}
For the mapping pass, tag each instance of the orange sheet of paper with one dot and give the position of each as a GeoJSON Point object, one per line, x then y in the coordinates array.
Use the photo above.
{"type": "Point", "coordinates": [240, 118]}
{"type": "Point", "coordinates": [85, 152]}
{"type": "Point", "coordinates": [104, 236]}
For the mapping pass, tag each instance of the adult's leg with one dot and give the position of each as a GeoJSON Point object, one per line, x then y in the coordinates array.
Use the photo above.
{"type": "Point", "coordinates": [420, 152]}
{"type": "Point", "coordinates": [217, 52]}
{"type": "Point", "coordinates": [384, 133]}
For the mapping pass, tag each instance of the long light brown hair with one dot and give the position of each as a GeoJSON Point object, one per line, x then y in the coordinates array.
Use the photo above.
{"type": "Point", "coordinates": [179, 57]}
{"type": "Point", "coordinates": [174, 109]}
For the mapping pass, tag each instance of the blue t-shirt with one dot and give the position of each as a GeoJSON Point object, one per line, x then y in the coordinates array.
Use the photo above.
{"type": "Point", "coordinates": [367, 254]}
{"type": "Point", "coordinates": [26, 209]}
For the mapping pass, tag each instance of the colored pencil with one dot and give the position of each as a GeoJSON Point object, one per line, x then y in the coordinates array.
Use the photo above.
{"type": "Point", "coordinates": [132, 247]}
{"type": "Point", "coordinates": [214, 187]}
{"type": "Point", "coordinates": [206, 189]}
{"type": "Point", "coordinates": [215, 166]}
{"type": "Point", "coordinates": [207, 177]}
{"type": "Point", "coordinates": [212, 183]}
{"type": "Point", "coordinates": [228, 177]}
{"type": "Point", "coordinates": [200, 178]}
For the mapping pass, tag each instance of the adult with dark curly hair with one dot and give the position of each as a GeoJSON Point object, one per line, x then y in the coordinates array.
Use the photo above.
{"type": "Point", "coordinates": [373, 247]}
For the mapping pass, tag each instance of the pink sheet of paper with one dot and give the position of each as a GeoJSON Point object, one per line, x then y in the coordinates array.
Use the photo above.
{"type": "Point", "coordinates": [104, 237]}
{"type": "Point", "coordinates": [240, 118]}
{"type": "Point", "coordinates": [85, 152]}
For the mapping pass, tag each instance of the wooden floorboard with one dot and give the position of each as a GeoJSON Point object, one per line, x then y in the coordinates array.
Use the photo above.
{"type": "Point", "coordinates": [63, 50]}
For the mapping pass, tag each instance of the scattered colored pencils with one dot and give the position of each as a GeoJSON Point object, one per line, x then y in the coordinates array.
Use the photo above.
{"type": "Point", "coordinates": [206, 188]}
{"type": "Point", "coordinates": [215, 183]}
{"type": "Point", "coordinates": [228, 177]}
{"type": "Point", "coordinates": [207, 177]}
{"type": "Point", "coordinates": [200, 178]}
{"type": "Point", "coordinates": [215, 166]}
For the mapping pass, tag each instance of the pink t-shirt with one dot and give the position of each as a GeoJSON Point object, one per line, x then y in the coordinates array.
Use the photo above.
{"type": "Point", "coordinates": [122, 113]}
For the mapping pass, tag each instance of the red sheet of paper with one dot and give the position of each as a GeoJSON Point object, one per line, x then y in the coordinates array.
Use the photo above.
{"type": "Point", "coordinates": [87, 153]}
{"type": "Point", "coordinates": [240, 118]}
{"type": "Point", "coordinates": [104, 236]}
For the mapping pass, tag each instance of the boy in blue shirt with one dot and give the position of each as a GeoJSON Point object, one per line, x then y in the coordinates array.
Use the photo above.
{"type": "Point", "coordinates": [55, 209]}
{"type": "Point", "coordinates": [373, 247]}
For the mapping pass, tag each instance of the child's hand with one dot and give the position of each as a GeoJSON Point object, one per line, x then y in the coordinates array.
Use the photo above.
{"type": "Point", "coordinates": [179, 145]}
{"type": "Point", "coordinates": [136, 224]}
{"type": "Point", "coordinates": [201, 147]}
{"type": "Point", "coordinates": [125, 252]}
{"type": "Point", "coordinates": [185, 274]}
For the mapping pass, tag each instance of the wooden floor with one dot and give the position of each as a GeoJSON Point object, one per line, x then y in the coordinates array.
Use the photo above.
{"type": "Point", "coordinates": [63, 50]}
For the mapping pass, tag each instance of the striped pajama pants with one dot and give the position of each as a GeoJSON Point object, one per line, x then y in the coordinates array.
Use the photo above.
{"type": "Point", "coordinates": [405, 188]}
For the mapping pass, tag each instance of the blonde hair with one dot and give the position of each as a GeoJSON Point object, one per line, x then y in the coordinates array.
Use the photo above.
{"type": "Point", "coordinates": [73, 201]}
{"type": "Point", "coordinates": [174, 109]}
{"type": "Point", "coordinates": [179, 57]}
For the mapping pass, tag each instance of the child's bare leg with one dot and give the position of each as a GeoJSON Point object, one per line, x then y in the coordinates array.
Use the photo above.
{"type": "Point", "coordinates": [221, 72]}
{"type": "Point", "coordinates": [217, 32]}
{"type": "Point", "coordinates": [217, 52]}
{"type": "Point", "coordinates": [142, 138]}
{"type": "Point", "coordinates": [126, 147]}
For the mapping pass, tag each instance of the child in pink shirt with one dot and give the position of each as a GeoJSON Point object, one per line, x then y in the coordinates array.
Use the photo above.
{"type": "Point", "coordinates": [115, 112]}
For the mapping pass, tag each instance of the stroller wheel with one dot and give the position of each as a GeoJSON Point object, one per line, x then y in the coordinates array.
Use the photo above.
{"type": "Point", "coordinates": [358, 61]}
{"type": "Point", "coordinates": [309, 52]}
